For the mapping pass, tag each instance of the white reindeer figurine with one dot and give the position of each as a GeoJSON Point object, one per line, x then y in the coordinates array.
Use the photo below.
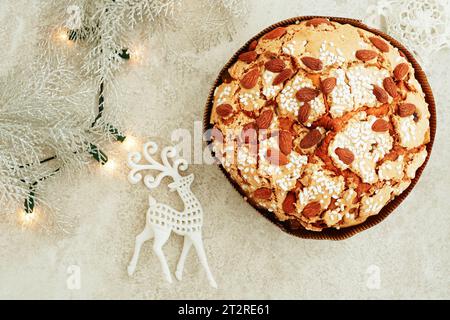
{"type": "Point", "coordinates": [161, 219]}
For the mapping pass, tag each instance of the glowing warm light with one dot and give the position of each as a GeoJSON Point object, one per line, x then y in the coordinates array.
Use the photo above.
{"type": "Point", "coordinates": [130, 142]}
{"type": "Point", "coordinates": [110, 165]}
{"type": "Point", "coordinates": [62, 35]}
{"type": "Point", "coordinates": [137, 54]}
{"type": "Point", "coordinates": [28, 219]}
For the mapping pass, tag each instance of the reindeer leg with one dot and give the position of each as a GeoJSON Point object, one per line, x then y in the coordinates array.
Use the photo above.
{"type": "Point", "coordinates": [196, 238]}
{"type": "Point", "coordinates": [180, 266]}
{"type": "Point", "coordinates": [161, 237]}
{"type": "Point", "coordinates": [145, 235]}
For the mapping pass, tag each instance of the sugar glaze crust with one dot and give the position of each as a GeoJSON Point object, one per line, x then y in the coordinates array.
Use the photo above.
{"type": "Point", "coordinates": [321, 123]}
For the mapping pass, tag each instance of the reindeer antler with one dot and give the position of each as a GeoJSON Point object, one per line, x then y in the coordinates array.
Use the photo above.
{"type": "Point", "coordinates": [149, 149]}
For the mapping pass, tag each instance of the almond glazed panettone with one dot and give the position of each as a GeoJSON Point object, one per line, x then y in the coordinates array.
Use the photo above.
{"type": "Point", "coordinates": [321, 123]}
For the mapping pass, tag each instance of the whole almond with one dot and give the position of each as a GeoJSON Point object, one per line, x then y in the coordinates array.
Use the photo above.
{"type": "Point", "coordinates": [328, 85]}
{"type": "Point", "coordinates": [262, 193]}
{"type": "Point", "coordinates": [312, 209]}
{"type": "Point", "coordinates": [224, 110]}
{"type": "Point", "coordinates": [264, 119]}
{"type": "Point", "coordinates": [400, 71]}
{"type": "Point", "coordinates": [379, 44]}
{"type": "Point", "coordinates": [311, 139]}
{"type": "Point", "coordinates": [276, 157]}
{"type": "Point", "coordinates": [285, 141]}
{"type": "Point", "coordinates": [275, 65]}
{"type": "Point", "coordinates": [282, 76]}
{"type": "Point", "coordinates": [317, 21]}
{"type": "Point", "coordinates": [406, 109]}
{"type": "Point", "coordinates": [289, 202]}
{"type": "Point", "coordinates": [248, 56]}
{"type": "Point", "coordinates": [312, 63]}
{"type": "Point", "coordinates": [380, 125]}
{"type": "Point", "coordinates": [306, 94]}
{"type": "Point", "coordinates": [285, 123]}
{"type": "Point", "coordinates": [365, 55]}
{"type": "Point", "coordinates": [380, 94]}
{"type": "Point", "coordinates": [390, 87]}
{"type": "Point", "coordinates": [252, 46]}
{"type": "Point", "coordinates": [303, 113]}
{"type": "Point", "coordinates": [250, 78]}
{"type": "Point", "coordinates": [345, 155]}
{"type": "Point", "coordinates": [276, 33]}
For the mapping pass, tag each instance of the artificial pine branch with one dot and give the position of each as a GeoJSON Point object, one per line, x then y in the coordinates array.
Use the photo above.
{"type": "Point", "coordinates": [46, 114]}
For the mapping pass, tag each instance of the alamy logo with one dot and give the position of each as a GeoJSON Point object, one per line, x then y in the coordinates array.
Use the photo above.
{"type": "Point", "coordinates": [73, 281]}
{"type": "Point", "coordinates": [374, 280]}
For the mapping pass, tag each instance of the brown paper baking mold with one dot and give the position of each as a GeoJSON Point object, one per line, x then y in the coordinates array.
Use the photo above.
{"type": "Point", "coordinates": [332, 234]}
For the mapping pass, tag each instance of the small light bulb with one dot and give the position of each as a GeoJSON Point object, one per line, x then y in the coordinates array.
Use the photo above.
{"type": "Point", "coordinates": [27, 218]}
{"type": "Point", "coordinates": [137, 54]}
{"type": "Point", "coordinates": [110, 165]}
{"type": "Point", "coordinates": [130, 142]}
{"type": "Point", "coordinates": [63, 36]}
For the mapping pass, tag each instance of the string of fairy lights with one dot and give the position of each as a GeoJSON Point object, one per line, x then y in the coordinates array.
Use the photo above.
{"type": "Point", "coordinates": [29, 208]}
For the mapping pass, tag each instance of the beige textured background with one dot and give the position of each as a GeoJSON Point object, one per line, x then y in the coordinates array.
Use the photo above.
{"type": "Point", "coordinates": [250, 258]}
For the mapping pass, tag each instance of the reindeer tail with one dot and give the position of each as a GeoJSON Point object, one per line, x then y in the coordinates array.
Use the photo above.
{"type": "Point", "coordinates": [151, 201]}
